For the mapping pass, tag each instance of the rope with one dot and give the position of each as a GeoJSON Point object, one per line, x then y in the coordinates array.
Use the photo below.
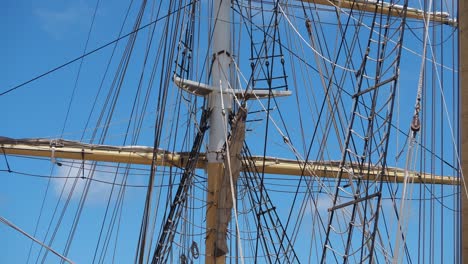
{"type": "Point", "coordinates": [8, 223]}
{"type": "Point", "coordinates": [92, 51]}
{"type": "Point", "coordinates": [452, 134]}
{"type": "Point", "coordinates": [308, 45]}
{"type": "Point", "coordinates": [6, 160]}
{"type": "Point", "coordinates": [404, 210]}
{"type": "Point", "coordinates": [231, 184]}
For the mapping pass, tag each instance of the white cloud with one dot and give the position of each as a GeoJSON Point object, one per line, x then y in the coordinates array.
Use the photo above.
{"type": "Point", "coordinates": [320, 205]}
{"type": "Point", "coordinates": [70, 179]}
{"type": "Point", "coordinates": [60, 21]}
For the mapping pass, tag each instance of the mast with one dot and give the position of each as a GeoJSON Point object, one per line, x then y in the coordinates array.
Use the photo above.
{"type": "Point", "coordinates": [463, 53]}
{"type": "Point", "coordinates": [219, 107]}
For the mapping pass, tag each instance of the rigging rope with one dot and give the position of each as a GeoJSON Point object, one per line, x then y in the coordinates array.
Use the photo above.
{"type": "Point", "coordinates": [91, 52]}
{"type": "Point", "coordinates": [404, 210]}
{"type": "Point", "coordinates": [239, 118]}
{"type": "Point", "coordinates": [363, 212]}
{"type": "Point", "coordinates": [8, 223]}
{"type": "Point", "coordinates": [170, 226]}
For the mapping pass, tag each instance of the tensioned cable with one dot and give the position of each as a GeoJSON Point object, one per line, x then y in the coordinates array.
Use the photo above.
{"type": "Point", "coordinates": [69, 107]}
{"type": "Point", "coordinates": [124, 179]}
{"type": "Point", "coordinates": [312, 48]}
{"type": "Point", "coordinates": [231, 183]}
{"type": "Point", "coordinates": [83, 200]}
{"type": "Point", "coordinates": [369, 129]}
{"type": "Point", "coordinates": [8, 223]}
{"type": "Point", "coordinates": [289, 143]}
{"type": "Point", "coordinates": [77, 78]}
{"type": "Point", "coordinates": [279, 190]}
{"type": "Point", "coordinates": [93, 51]}
{"type": "Point", "coordinates": [402, 223]}
{"type": "Point", "coordinates": [252, 177]}
{"type": "Point", "coordinates": [171, 130]}
{"type": "Point", "coordinates": [84, 195]}
{"type": "Point", "coordinates": [39, 218]}
{"type": "Point", "coordinates": [265, 141]}
{"type": "Point", "coordinates": [346, 92]}
{"type": "Point", "coordinates": [168, 56]}
{"type": "Point", "coordinates": [305, 201]}
{"type": "Point", "coordinates": [6, 160]}
{"type": "Point", "coordinates": [137, 128]}
{"type": "Point", "coordinates": [301, 160]}
{"type": "Point", "coordinates": [333, 70]}
{"type": "Point", "coordinates": [449, 122]}
{"type": "Point", "coordinates": [391, 40]}
{"type": "Point", "coordinates": [404, 47]}
{"type": "Point", "coordinates": [62, 214]}
{"type": "Point", "coordinates": [141, 246]}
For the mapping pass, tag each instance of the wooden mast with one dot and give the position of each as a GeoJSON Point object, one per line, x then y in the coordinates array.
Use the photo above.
{"type": "Point", "coordinates": [219, 109]}
{"type": "Point", "coordinates": [463, 55]}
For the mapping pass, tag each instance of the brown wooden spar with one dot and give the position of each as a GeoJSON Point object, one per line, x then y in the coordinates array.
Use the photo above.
{"type": "Point", "coordinates": [65, 149]}
{"type": "Point", "coordinates": [385, 8]}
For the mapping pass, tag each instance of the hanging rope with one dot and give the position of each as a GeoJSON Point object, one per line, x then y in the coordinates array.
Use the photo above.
{"type": "Point", "coordinates": [415, 126]}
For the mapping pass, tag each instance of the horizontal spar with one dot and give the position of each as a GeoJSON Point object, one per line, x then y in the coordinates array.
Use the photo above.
{"type": "Point", "coordinates": [65, 149]}
{"type": "Point", "coordinates": [386, 8]}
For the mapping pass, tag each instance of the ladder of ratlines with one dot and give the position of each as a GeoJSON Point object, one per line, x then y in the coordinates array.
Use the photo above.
{"type": "Point", "coordinates": [266, 55]}
{"type": "Point", "coordinates": [275, 241]}
{"type": "Point", "coordinates": [352, 231]}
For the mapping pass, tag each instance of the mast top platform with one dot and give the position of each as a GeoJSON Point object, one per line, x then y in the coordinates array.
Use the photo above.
{"type": "Point", "coordinates": [202, 89]}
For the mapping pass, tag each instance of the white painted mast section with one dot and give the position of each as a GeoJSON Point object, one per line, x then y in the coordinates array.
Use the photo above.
{"type": "Point", "coordinates": [220, 79]}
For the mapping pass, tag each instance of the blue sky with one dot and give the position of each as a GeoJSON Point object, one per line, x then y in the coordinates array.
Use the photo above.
{"type": "Point", "coordinates": [40, 36]}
